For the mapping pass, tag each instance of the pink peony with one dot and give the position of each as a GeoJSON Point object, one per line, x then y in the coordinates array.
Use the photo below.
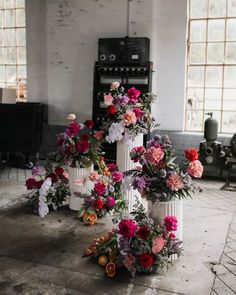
{"type": "Point", "coordinates": [127, 228]}
{"type": "Point", "coordinates": [73, 129]}
{"type": "Point", "coordinates": [99, 188]}
{"type": "Point", "coordinates": [108, 99]}
{"type": "Point", "coordinates": [174, 182]}
{"type": "Point", "coordinates": [170, 223]}
{"type": "Point", "coordinates": [117, 176]}
{"type": "Point", "coordinates": [129, 118]}
{"type": "Point", "coordinates": [133, 95]}
{"type": "Point", "coordinates": [129, 261]}
{"type": "Point", "coordinates": [82, 146]}
{"type": "Point", "coordinates": [110, 202]}
{"type": "Point", "coordinates": [158, 244]}
{"type": "Point", "coordinates": [195, 169]}
{"type": "Point", "coordinates": [138, 112]}
{"type": "Point", "coordinates": [154, 155]}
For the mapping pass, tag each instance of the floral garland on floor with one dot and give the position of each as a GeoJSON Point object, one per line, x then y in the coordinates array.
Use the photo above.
{"type": "Point", "coordinates": [106, 195]}
{"type": "Point", "coordinates": [129, 113]}
{"type": "Point", "coordinates": [158, 177]}
{"type": "Point", "coordinates": [137, 244]}
{"type": "Point", "coordinates": [50, 188]}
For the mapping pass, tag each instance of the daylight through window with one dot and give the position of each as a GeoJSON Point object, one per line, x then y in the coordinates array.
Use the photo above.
{"type": "Point", "coordinates": [211, 65]}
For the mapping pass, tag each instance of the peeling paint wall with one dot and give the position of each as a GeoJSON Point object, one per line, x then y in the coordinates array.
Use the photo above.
{"type": "Point", "coordinates": [62, 49]}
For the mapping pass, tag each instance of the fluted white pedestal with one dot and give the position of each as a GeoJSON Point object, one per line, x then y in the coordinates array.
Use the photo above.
{"type": "Point", "coordinates": [75, 200]}
{"type": "Point", "coordinates": [124, 163]}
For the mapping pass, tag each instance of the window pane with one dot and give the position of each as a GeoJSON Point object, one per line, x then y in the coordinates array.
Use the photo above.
{"type": "Point", "coordinates": [229, 122]}
{"type": "Point", "coordinates": [231, 30]}
{"type": "Point", "coordinates": [20, 37]}
{"type": "Point", "coordinates": [231, 7]}
{"type": "Point", "coordinates": [197, 53]}
{"type": "Point", "coordinates": [21, 55]}
{"type": "Point", "coordinates": [10, 37]}
{"type": "Point", "coordinates": [2, 74]}
{"type": "Point", "coordinates": [2, 60]}
{"type": "Point", "coordinates": [20, 3]}
{"type": "Point", "coordinates": [1, 38]}
{"type": "Point", "coordinates": [11, 55]}
{"type": "Point", "coordinates": [216, 30]}
{"type": "Point", "coordinates": [1, 19]}
{"type": "Point", "coordinates": [1, 4]}
{"type": "Point", "coordinates": [196, 77]}
{"type": "Point", "coordinates": [213, 99]}
{"type": "Point", "coordinates": [230, 57]}
{"type": "Point", "coordinates": [9, 3]}
{"type": "Point", "coordinates": [217, 8]}
{"type": "Point", "coordinates": [194, 120]}
{"type": "Point", "coordinates": [195, 98]}
{"type": "Point", "coordinates": [215, 53]}
{"type": "Point", "coordinates": [20, 17]}
{"type": "Point", "coordinates": [10, 18]}
{"type": "Point", "coordinates": [11, 73]}
{"type": "Point", "coordinates": [229, 100]}
{"type": "Point", "coordinates": [21, 71]}
{"type": "Point", "coordinates": [230, 77]}
{"type": "Point", "coordinates": [214, 77]}
{"type": "Point", "coordinates": [198, 31]}
{"type": "Point", "coordinates": [198, 8]}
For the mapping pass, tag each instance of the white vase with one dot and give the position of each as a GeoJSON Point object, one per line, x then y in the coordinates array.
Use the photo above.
{"type": "Point", "coordinates": [124, 163]}
{"type": "Point", "coordinates": [159, 210]}
{"type": "Point", "coordinates": [77, 191]}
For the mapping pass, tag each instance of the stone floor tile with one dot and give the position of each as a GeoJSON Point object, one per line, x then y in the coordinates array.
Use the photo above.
{"type": "Point", "coordinates": [231, 267]}
{"type": "Point", "coordinates": [231, 255]}
{"type": "Point", "coordinates": [232, 245]}
{"type": "Point", "coordinates": [228, 279]}
{"type": "Point", "coordinates": [221, 289]}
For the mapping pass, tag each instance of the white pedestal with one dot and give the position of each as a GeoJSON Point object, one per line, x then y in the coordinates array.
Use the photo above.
{"type": "Point", "coordinates": [75, 202]}
{"type": "Point", "coordinates": [124, 163]}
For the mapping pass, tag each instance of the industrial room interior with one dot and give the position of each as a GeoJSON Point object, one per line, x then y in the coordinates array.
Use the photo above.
{"type": "Point", "coordinates": [58, 60]}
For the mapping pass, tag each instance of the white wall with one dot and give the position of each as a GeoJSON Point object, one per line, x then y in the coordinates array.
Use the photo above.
{"type": "Point", "coordinates": [67, 45]}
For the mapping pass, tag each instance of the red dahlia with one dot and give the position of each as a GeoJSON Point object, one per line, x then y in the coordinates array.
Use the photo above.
{"type": "Point", "coordinates": [143, 232]}
{"type": "Point", "coordinates": [88, 123]}
{"type": "Point", "coordinates": [30, 183]}
{"type": "Point", "coordinates": [59, 171]}
{"type": "Point", "coordinates": [146, 260]}
{"type": "Point", "coordinates": [98, 204]}
{"type": "Point", "coordinates": [82, 146]}
{"type": "Point", "coordinates": [53, 176]}
{"type": "Point", "coordinates": [111, 110]}
{"type": "Point", "coordinates": [191, 154]}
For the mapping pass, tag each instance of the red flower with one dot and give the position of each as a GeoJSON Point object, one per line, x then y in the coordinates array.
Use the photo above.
{"type": "Point", "coordinates": [146, 260]}
{"type": "Point", "coordinates": [69, 149]}
{"type": "Point", "coordinates": [111, 167]}
{"type": "Point", "coordinates": [60, 139]}
{"type": "Point", "coordinates": [127, 228]}
{"type": "Point", "coordinates": [88, 123]}
{"type": "Point", "coordinates": [111, 110]}
{"type": "Point", "coordinates": [38, 184]}
{"type": "Point", "coordinates": [99, 188]}
{"type": "Point", "coordinates": [138, 112]}
{"type": "Point", "coordinates": [53, 176]}
{"type": "Point", "coordinates": [117, 176]}
{"type": "Point", "coordinates": [133, 95]}
{"type": "Point", "coordinates": [82, 146]}
{"type": "Point", "coordinates": [99, 134]}
{"type": "Point", "coordinates": [143, 232]}
{"type": "Point", "coordinates": [191, 154]}
{"type": "Point", "coordinates": [98, 204]}
{"type": "Point", "coordinates": [85, 137]}
{"type": "Point", "coordinates": [59, 171]}
{"type": "Point", "coordinates": [30, 183]}
{"type": "Point", "coordinates": [73, 129]}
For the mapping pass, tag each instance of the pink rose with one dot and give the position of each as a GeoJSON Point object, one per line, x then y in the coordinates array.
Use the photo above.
{"type": "Point", "coordinates": [108, 99]}
{"type": "Point", "coordinates": [174, 182]}
{"type": "Point", "coordinates": [158, 244]}
{"type": "Point", "coordinates": [129, 118]}
{"type": "Point", "coordinates": [117, 176]}
{"type": "Point", "coordinates": [154, 155]}
{"type": "Point", "coordinates": [138, 112]}
{"type": "Point", "coordinates": [114, 85]}
{"type": "Point", "coordinates": [71, 117]}
{"type": "Point", "coordinates": [129, 261]}
{"type": "Point", "coordinates": [195, 169]}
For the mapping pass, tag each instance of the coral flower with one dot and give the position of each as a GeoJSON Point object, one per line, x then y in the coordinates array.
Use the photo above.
{"type": "Point", "coordinates": [174, 182]}
{"type": "Point", "coordinates": [195, 169]}
{"type": "Point", "coordinates": [129, 118]}
{"type": "Point", "coordinates": [146, 260]}
{"type": "Point", "coordinates": [158, 244]}
{"type": "Point", "coordinates": [93, 176]}
{"type": "Point", "coordinates": [154, 155]}
{"type": "Point", "coordinates": [127, 228]}
{"type": "Point", "coordinates": [191, 154]}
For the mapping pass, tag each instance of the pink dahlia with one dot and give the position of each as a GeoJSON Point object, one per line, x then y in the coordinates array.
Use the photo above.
{"type": "Point", "coordinates": [195, 169]}
{"type": "Point", "coordinates": [133, 95]}
{"type": "Point", "coordinates": [158, 244]}
{"type": "Point", "coordinates": [174, 182]}
{"type": "Point", "coordinates": [138, 112]}
{"type": "Point", "coordinates": [110, 202]}
{"type": "Point", "coordinates": [99, 188]}
{"type": "Point", "coordinates": [73, 129]}
{"type": "Point", "coordinates": [108, 99]}
{"type": "Point", "coordinates": [154, 155]}
{"type": "Point", "coordinates": [170, 223]}
{"type": "Point", "coordinates": [127, 228]}
{"type": "Point", "coordinates": [129, 118]}
{"type": "Point", "coordinates": [117, 176]}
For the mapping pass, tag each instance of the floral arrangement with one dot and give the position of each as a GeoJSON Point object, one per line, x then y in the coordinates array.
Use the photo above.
{"type": "Point", "coordinates": [79, 145]}
{"type": "Point", "coordinates": [128, 113]}
{"type": "Point", "coordinates": [106, 194]}
{"type": "Point", "coordinates": [158, 177]}
{"type": "Point", "coordinates": [136, 244]}
{"type": "Point", "coordinates": [50, 188]}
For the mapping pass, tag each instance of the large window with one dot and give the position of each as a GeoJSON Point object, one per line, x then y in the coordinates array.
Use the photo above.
{"type": "Point", "coordinates": [13, 46]}
{"type": "Point", "coordinates": [211, 66]}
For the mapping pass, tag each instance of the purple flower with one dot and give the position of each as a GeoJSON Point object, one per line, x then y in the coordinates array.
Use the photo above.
{"type": "Point", "coordinates": [37, 170]}
{"type": "Point", "coordinates": [124, 243]}
{"type": "Point", "coordinates": [121, 100]}
{"type": "Point", "coordinates": [141, 183]}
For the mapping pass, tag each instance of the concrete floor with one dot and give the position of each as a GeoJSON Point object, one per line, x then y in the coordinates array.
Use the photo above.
{"type": "Point", "coordinates": [43, 256]}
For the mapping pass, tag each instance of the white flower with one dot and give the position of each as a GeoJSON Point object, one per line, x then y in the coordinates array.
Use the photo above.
{"type": "Point", "coordinates": [114, 85]}
{"type": "Point", "coordinates": [43, 209]}
{"type": "Point", "coordinates": [71, 117]}
{"type": "Point", "coordinates": [115, 132]}
{"type": "Point", "coordinates": [42, 199]}
{"type": "Point", "coordinates": [45, 187]}
{"type": "Point", "coordinates": [126, 184]}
